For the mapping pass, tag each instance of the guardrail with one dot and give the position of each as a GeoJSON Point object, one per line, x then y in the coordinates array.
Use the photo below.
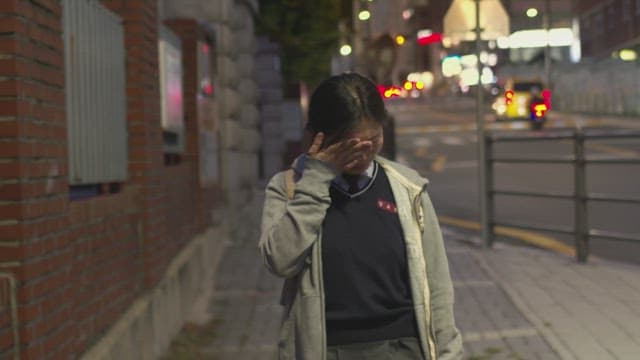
{"type": "Point", "coordinates": [9, 311]}
{"type": "Point", "coordinates": [580, 196]}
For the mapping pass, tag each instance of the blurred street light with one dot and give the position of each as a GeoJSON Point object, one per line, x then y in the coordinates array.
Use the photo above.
{"type": "Point", "coordinates": [364, 15]}
{"type": "Point", "coordinates": [407, 14]}
{"type": "Point", "coordinates": [532, 12]}
{"type": "Point", "coordinates": [345, 50]}
{"type": "Point", "coordinates": [628, 55]}
{"type": "Point", "coordinates": [400, 40]}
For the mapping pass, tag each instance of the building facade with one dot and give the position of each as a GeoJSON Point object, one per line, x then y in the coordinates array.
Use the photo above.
{"type": "Point", "coordinates": [124, 125]}
{"type": "Point", "coordinates": [608, 26]}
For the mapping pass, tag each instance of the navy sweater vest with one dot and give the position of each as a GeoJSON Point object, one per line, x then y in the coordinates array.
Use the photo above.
{"type": "Point", "coordinates": [366, 281]}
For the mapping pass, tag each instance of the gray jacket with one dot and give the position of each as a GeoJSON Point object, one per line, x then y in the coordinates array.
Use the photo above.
{"type": "Point", "coordinates": [290, 247]}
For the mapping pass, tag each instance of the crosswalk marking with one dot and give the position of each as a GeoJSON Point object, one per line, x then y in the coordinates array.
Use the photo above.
{"type": "Point", "coordinates": [499, 334]}
{"type": "Point", "coordinates": [474, 283]}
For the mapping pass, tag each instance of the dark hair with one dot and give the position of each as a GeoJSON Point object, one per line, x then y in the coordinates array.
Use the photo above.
{"type": "Point", "coordinates": [342, 102]}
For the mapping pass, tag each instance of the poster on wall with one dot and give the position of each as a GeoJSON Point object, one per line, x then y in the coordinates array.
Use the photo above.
{"type": "Point", "coordinates": [207, 117]}
{"type": "Point", "coordinates": [172, 107]}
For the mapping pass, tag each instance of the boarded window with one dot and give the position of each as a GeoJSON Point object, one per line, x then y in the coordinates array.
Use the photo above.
{"type": "Point", "coordinates": [95, 93]}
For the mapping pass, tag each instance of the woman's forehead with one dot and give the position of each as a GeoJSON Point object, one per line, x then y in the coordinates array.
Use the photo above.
{"type": "Point", "coordinates": [365, 128]}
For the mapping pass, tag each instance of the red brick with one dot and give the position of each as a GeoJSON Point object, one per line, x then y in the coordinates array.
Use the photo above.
{"type": "Point", "coordinates": [11, 191]}
{"type": "Point", "coordinates": [12, 24]}
{"type": "Point", "coordinates": [50, 5]}
{"type": "Point", "coordinates": [39, 208]}
{"type": "Point", "coordinates": [9, 128]}
{"type": "Point", "coordinates": [30, 312]}
{"type": "Point", "coordinates": [8, 6]}
{"type": "Point", "coordinates": [44, 286]}
{"type": "Point", "coordinates": [11, 210]}
{"type": "Point", "coordinates": [10, 253]}
{"type": "Point", "coordinates": [8, 45]}
{"type": "Point", "coordinates": [54, 344]}
{"type": "Point", "coordinates": [32, 351]}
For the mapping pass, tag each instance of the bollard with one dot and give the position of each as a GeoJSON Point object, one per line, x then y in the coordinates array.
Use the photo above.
{"type": "Point", "coordinates": [580, 195]}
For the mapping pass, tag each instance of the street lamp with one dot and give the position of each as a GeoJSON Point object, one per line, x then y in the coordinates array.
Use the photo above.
{"type": "Point", "coordinates": [532, 12]}
{"type": "Point", "coordinates": [345, 50]}
{"type": "Point", "coordinates": [364, 15]}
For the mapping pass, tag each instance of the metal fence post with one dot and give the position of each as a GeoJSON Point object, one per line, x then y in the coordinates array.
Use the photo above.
{"type": "Point", "coordinates": [580, 207]}
{"type": "Point", "coordinates": [488, 188]}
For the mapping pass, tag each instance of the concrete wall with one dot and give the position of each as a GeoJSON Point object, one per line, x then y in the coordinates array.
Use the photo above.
{"type": "Point", "coordinates": [150, 323]}
{"type": "Point", "coordinates": [232, 21]}
{"type": "Point", "coordinates": [269, 81]}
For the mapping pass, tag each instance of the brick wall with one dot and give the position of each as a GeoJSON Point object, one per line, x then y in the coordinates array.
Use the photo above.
{"type": "Point", "coordinates": [34, 242]}
{"type": "Point", "coordinates": [80, 264]}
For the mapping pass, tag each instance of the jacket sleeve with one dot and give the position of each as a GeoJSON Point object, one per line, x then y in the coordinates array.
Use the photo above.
{"type": "Point", "coordinates": [447, 337]}
{"type": "Point", "coordinates": [290, 227]}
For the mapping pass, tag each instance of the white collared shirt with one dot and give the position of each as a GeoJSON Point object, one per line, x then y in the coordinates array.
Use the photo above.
{"type": "Point", "coordinates": [363, 181]}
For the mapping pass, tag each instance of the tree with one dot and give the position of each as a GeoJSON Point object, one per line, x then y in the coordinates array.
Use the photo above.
{"type": "Point", "coordinates": [307, 32]}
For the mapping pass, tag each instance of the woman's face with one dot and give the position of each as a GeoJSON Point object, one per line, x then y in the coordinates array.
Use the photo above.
{"type": "Point", "coordinates": [366, 131]}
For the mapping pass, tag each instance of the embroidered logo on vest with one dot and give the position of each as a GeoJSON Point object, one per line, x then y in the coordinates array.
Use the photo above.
{"type": "Point", "coordinates": [387, 206]}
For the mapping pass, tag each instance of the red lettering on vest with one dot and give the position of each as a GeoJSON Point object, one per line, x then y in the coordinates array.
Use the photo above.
{"type": "Point", "coordinates": [387, 206]}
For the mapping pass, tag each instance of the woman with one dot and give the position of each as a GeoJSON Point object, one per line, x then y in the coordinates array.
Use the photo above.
{"type": "Point", "coordinates": [357, 240]}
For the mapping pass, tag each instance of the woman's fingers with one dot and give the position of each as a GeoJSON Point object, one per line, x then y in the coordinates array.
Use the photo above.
{"type": "Point", "coordinates": [317, 143]}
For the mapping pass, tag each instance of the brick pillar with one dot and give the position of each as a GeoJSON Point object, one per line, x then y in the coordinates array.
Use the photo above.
{"type": "Point", "coordinates": [34, 196]}
{"type": "Point", "coordinates": [146, 162]}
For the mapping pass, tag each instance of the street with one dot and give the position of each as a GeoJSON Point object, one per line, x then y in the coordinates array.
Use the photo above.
{"type": "Point", "coordinates": [438, 138]}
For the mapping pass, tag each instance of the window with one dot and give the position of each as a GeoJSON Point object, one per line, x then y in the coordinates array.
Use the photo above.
{"type": "Point", "coordinates": [95, 80]}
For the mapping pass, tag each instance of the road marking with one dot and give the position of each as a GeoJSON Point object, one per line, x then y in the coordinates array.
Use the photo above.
{"type": "Point", "coordinates": [421, 152]}
{"type": "Point", "coordinates": [422, 141]}
{"type": "Point", "coordinates": [473, 283]}
{"type": "Point", "coordinates": [438, 164]}
{"type": "Point", "coordinates": [452, 140]}
{"type": "Point", "coordinates": [461, 164]}
{"type": "Point", "coordinates": [500, 334]}
{"type": "Point", "coordinates": [613, 150]}
{"type": "Point", "coordinates": [529, 237]}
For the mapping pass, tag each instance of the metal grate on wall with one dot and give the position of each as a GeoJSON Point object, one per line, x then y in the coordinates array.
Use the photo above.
{"type": "Point", "coordinates": [95, 93]}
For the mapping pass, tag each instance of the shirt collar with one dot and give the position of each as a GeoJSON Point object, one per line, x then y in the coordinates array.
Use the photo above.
{"type": "Point", "coordinates": [362, 181]}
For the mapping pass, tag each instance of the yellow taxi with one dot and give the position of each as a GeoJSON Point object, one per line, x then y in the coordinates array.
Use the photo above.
{"type": "Point", "coordinates": [515, 102]}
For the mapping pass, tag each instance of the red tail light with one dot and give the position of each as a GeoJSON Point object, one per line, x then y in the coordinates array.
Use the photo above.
{"type": "Point", "coordinates": [540, 109]}
{"type": "Point", "coordinates": [508, 96]}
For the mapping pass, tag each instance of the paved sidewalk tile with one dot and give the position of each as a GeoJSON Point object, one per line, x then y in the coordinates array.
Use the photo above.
{"type": "Point", "coordinates": [244, 307]}
{"type": "Point", "coordinates": [584, 311]}
{"type": "Point", "coordinates": [492, 326]}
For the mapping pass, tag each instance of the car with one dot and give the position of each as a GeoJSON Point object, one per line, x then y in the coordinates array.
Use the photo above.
{"type": "Point", "coordinates": [515, 101]}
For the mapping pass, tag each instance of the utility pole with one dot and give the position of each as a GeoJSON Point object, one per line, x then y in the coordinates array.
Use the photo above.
{"type": "Point", "coordinates": [482, 194]}
{"type": "Point", "coordinates": [546, 23]}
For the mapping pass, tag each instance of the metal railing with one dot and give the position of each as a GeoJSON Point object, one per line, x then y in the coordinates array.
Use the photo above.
{"type": "Point", "coordinates": [9, 310]}
{"type": "Point", "coordinates": [580, 195]}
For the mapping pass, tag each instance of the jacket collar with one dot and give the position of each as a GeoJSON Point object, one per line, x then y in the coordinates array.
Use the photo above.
{"type": "Point", "coordinates": [406, 175]}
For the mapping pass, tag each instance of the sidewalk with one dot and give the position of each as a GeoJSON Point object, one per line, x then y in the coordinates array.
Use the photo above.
{"type": "Point", "coordinates": [512, 302]}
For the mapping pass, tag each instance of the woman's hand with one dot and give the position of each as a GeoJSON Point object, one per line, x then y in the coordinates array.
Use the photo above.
{"type": "Point", "coordinates": [343, 155]}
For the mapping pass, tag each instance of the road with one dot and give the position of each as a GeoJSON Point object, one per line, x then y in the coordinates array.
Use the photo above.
{"type": "Point", "coordinates": [438, 138]}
